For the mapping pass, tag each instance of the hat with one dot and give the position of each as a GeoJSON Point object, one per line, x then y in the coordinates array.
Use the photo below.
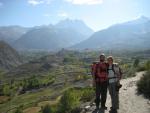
{"type": "Point", "coordinates": [102, 54]}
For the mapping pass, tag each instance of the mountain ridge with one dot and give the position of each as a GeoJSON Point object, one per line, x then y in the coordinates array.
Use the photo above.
{"type": "Point", "coordinates": [120, 36]}
{"type": "Point", "coordinates": [54, 37]}
{"type": "Point", "coordinates": [9, 57]}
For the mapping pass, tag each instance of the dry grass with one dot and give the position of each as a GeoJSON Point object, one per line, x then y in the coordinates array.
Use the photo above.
{"type": "Point", "coordinates": [4, 99]}
{"type": "Point", "coordinates": [32, 110]}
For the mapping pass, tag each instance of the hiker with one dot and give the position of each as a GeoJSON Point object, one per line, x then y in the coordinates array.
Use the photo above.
{"type": "Point", "coordinates": [100, 79]}
{"type": "Point", "coordinates": [114, 76]}
{"type": "Point", "coordinates": [93, 71]}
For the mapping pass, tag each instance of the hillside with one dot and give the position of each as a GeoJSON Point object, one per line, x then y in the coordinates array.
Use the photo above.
{"type": "Point", "coordinates": [11, 33]}
{"type": "Point", "coordinates": [44, 80]}
{"type": "Point", "coordinates": [130, 35]}
{"type": "Point", "coordinates": [77, 25]}
{"type": "Point", "coordinates": [54, 37]}
{"type": "Point", "coordinates": [130, 101]}
{"type": "Point", "coordinates": [9, 57]}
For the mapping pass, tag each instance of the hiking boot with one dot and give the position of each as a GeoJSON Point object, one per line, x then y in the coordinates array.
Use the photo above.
{"type": "Point", "coordinates": [96, 109]}
{"type": "Point", "coordinates": [116, 108]}
{"type": "Point", "coordinates": [112, 107]}
{"type": "Point", "coordinates": [113, 111]}
{"type": "Point", "coordinates": [118, 87]}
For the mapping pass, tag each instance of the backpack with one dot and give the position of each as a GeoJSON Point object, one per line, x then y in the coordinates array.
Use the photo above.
{"type": "Point", "coordinates": [117, 71]}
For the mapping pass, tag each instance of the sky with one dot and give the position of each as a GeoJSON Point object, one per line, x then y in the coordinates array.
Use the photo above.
{"type": "Point", "coordinates": [97, 14]}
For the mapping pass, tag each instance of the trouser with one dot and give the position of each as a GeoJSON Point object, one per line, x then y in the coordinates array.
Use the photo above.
{"type": "Point", "coordinates": [101, 90]}
{"type": "Point", "coordinates": [114, 94]}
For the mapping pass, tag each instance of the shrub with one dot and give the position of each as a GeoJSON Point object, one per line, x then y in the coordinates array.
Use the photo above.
{"type": "Point", "coordinates": [87, 94]}
{"type": "Point", "coordinates": [147, 65]}
{"type": "Point", "coordinates": [129, 73]}
{"type": "Point", "coordinates": [72, 98]}
{"type": "Point", "coordinates": [141, 68]}
{"type": "Point", "coordinates": [19, 109]}
{"type": "Point", "coordinates": [144, 85]}
{"type": "Point", "coordinates": [136, 62]}
{"type": "Point", "coordinates": [6, 90]}
{"type": "Point", "coordinates": [46, 109]}
{"type": "Point", "coordinates": [69, 101]}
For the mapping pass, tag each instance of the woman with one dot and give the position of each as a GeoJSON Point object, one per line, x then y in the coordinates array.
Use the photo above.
{"type": "Point", "coordinates": [114, 76]}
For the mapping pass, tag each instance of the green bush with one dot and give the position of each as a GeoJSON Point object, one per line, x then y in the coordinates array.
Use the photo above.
{"type": "Point", "coordinates": [87, 94]}
{"type": "Point", "coordinates": [19, 110]}
{"type": "Point", "coordinates": [147, 65]}
{"type": "Point", "coordinates": [144, 85]}
{"type": "Point", "coordinates": [141, 68]}
{"type": "Point", "coordinates": [136, 63]}
{"type": "Point", "coordinates": [72, 99]}
{"type": "Point", "coordinates": [47, 109]}
{"type": "Point", "coordinates": [130, 72]}
{"type": "Point", "coordinates": [69, 101]}
{"type": "Point", "coordinates": [6, 90]}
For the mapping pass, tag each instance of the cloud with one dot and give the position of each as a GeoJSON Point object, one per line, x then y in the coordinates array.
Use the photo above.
{"type": "Point", "coordinates": [47, 15]}
{"type": "Point", "coordinates": [1, 4]}
{"type": "Point", "coordinates": [63, 14]}
{"type": "Point", "coordinates": [85, 2]}
{"type": "Point", "coordinates": [37, 2]}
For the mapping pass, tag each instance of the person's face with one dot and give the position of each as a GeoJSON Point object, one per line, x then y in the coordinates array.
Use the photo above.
{"type": "Point", "coordinates": [110, 61]}
{"type": "Point", "coordinates": [102, 58]}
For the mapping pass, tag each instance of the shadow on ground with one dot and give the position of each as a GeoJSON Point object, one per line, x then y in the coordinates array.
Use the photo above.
{"type": "Point", "coordinates": [102, 111]}
{"type": "Point", "coordinates": [99, 111]}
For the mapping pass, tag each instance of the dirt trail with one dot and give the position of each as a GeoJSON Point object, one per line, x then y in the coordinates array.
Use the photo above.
{"type": "Point", "coordinates": [130, 102]}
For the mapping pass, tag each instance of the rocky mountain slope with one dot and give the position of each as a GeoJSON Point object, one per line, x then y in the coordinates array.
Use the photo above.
{"type": "Point", "coordinates": [54, 37]}
{"type": "Point", "coordinates": [134, 34]}
{"type": "Point", "coordinates": [9, 57]}
{"type": "Point", "coordinates": [10, 34]}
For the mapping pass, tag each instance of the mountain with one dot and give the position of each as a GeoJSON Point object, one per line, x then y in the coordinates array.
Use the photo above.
{"type": "Point", "coordinates": [134, 34]}
{"type": "Point", "coordinates": [77, 25]}
{"type": "Point", "coordinates": [9, 57]}
{"type": "Point", "coordinates": [54, 37]}
{"type": "Point", "coordinates": [11, 33]}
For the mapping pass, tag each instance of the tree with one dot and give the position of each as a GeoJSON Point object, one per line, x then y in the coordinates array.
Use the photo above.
{"type": "Point", "coordinates": [136, 62]}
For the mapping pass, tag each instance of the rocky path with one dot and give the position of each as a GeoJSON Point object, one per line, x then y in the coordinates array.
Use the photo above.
{"type": "Point", "coordinates": [130, 101]}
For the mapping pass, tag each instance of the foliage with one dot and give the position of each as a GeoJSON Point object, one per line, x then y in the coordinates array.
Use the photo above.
{"type": "Point", "coordinates": [72, 99]}
{"type": "Point", "coordinates": [144, 85]}
{"type": "Point", "coordinates": [19, 110]}
{"type": "Point", "coordinates": [87, 94]}
{"type": "Point", "coordinates": [147, 65]}
{"type": "Point", "coordinates": [69, 101]}
{"type": "Point", "coordinates": [35, 83]}
{"type": "Point", "coordinates": [46, 109]}
{"type": "Point", "coordinates": [140, 68]}
{"type": "Point", "coordinates": [136, 63]}
{"type": "Point", "coordinates": [5, 90]}
{"type": "Point", "coordinates": [68, 64]}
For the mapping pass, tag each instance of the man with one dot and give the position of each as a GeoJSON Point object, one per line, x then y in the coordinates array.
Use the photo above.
{"type": "Point", "coordinates": [93, 71]}
{"type": "Point", "coordinates": [100, 78]}
{"type": "Point", "coordinates": [114, 76]}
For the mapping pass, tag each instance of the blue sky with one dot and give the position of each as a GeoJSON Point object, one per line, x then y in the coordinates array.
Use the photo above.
{"type": "Point", "coordinates": [97, 14]}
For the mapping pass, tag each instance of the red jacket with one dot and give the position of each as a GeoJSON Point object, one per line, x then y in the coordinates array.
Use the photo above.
{"type": "Point", "coordinates": [101, 72]}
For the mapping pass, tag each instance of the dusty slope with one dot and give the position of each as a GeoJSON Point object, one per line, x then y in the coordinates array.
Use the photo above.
{"type": "Point", "coordinates": [130, 102]}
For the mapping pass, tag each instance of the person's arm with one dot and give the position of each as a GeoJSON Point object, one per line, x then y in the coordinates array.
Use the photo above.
{"type": "Point", "coordinates": [120, 73]}
{"type": "Point", "coordinates": [93, 75]}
